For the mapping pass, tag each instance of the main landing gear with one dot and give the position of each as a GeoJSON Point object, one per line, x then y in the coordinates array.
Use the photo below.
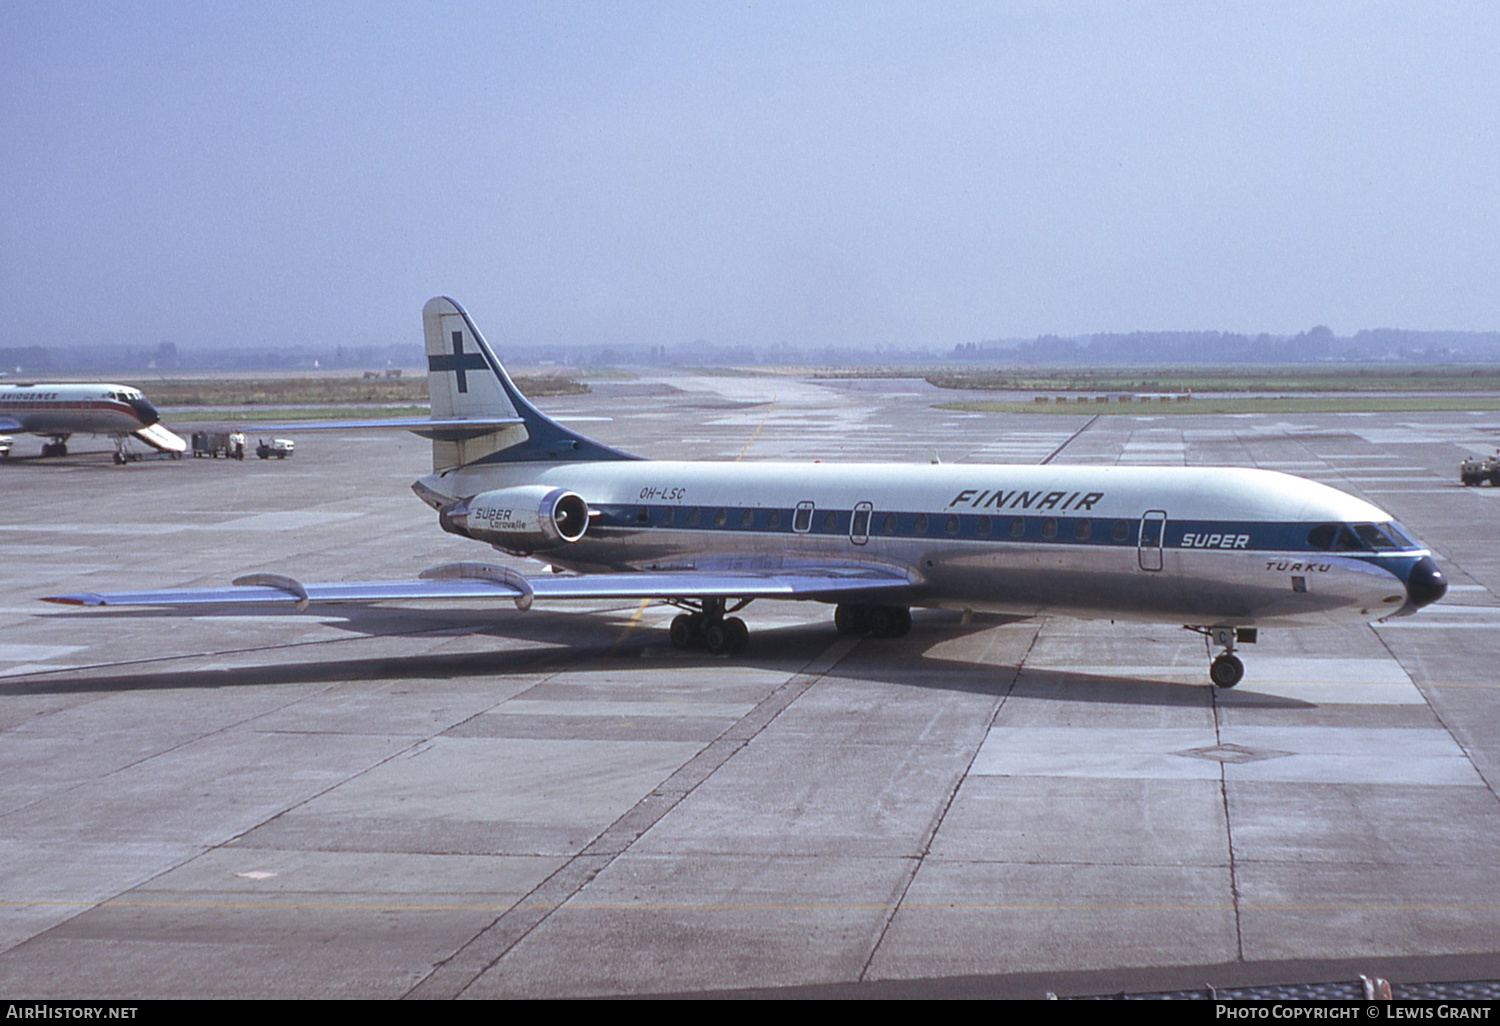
{"type": "Point", "coordinates": [705, 624]}
{"type": "Point", "coordinates": [708, 627]}
{"type": "Point", "coordinates": [857, 619]}
{"type": "Point", "coordinates": [57, 447]}
{"type": "Point", "coordinates": [1226, 670]}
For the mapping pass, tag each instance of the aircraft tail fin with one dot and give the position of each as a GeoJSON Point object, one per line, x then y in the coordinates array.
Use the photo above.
{"type": "Point", "coordinates": [465, 381]}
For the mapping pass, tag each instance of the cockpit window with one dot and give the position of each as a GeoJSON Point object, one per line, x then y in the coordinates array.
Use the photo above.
{"type": "Point", "coordinates": [1373, 537]}
{"type": "Point", "coordinates": [1399, 536]}
{"type": "Point", "coordinates": [1358, 537]}
{"type": "Point", "coordinates": [1321, 537]}
{"type": "Point", "coordinates": [1348, 541]}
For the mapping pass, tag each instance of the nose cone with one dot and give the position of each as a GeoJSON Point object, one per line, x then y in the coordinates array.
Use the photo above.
{"type": "Point", "coordinates": [145, 411]}
{"type": "Point", "coordinates": [1425, 584]}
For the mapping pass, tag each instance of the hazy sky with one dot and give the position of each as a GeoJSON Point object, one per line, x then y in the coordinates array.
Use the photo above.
{"type": "Point", "coordinates": [917, 173]}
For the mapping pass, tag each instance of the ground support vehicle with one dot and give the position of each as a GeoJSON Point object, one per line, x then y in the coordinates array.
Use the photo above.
{"type": "Point", "coordinates": [1474, 472]}
{"type": "Point", "coordinates": [281, 448]}
{"type": "Point", "coordinates": [229, 444]}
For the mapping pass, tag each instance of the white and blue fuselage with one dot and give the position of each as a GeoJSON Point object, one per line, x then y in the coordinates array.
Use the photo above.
{"type": "Point", "coordinates": [1204, 546]}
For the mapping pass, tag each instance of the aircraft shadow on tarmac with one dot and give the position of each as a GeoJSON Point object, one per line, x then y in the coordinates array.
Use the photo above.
{"type": "Point", "coordinates": [604, 641]}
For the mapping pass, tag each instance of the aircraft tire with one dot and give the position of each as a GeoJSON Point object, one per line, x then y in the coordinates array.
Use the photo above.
{"type": "Point", "coordinates": [736, 635]}
{"type": "Point", "coordinates": [897, 622]}
{"type": "Point", "coordinates": [1226, 671]}
{"type": "Point", "coordinates": [683, 631]}
{"type": "Point", "coordinates": [716, 638]}
{"type": "Point", "coordinates": [852, 620]}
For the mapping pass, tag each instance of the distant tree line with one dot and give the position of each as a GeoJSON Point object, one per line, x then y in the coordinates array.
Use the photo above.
{"type": "Point", "coordinates": [1170, 347]}
{"type": "Point", "coordinates": [1319, 344]}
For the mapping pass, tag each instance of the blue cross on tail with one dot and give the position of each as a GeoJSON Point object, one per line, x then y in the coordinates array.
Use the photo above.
{"type": "Point", "coordinates": [459, 363]}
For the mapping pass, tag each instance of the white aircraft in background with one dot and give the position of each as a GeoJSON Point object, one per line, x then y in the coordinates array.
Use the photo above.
{"type": "Point", "coordinates": [59, 411]}
{"type": "Point", "coordinates": [1223, 551]}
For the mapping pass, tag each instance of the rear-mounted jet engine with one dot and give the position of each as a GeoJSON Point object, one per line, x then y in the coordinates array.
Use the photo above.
{"type": "Point", "coordinates": [520, 520]}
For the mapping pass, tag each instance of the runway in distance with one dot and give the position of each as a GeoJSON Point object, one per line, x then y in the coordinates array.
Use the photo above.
{"type": "Point", "coordinates": [59, 411]}
{"type": "Point", "coordinates": [1223, 551]}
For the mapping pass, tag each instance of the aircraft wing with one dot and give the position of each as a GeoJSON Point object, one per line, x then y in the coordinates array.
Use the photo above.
{"type": "Point", "coordinates": [10, 424]}
{"type": "Point", "coordinates": [481, 581]}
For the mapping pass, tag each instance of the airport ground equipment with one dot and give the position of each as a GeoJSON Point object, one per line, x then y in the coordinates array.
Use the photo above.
{"type": "Point", "coordinates": [229, 444]}
{"type": "Point", "coordinates": [1474, 472]}
{"type": "Point", "coordinates": [281, 448]}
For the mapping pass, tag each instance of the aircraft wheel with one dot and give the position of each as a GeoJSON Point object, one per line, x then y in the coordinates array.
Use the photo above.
{"type": "Point", "coordinates": [62, 448]}
{"type": "Point", "coordinates": [736, 635]}
{"type": "Point", "coordinates": [119, 460]}
{"type": "Point", "coordinates": [852, 620]}
{"type": "Point", "coordinates": [889, 621]}
{"type": "Point", "coordinates": [683, 631]}
{"type": "Point", "coordinates": [900, 622]}
{"type": "Point", "coordinates": [1226, 671]}
{"type": "Point", "coordinates": [716, 638]}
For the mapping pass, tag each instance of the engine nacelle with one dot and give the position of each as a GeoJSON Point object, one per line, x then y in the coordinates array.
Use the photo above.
{"type": "Point", "coordinates": [522, 520]}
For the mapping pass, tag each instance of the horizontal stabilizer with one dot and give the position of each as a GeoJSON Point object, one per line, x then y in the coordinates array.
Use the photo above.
{"type": "Point", "coordinates": [453, 429]}
{"type": "Point", "coordinates": [161, 439]}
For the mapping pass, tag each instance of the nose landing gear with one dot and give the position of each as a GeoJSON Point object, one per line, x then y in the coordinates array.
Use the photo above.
{"type": "Point", "coordinates": [1226, 670]}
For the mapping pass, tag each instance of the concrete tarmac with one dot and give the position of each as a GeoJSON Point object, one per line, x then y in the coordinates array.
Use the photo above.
{"type": "Point", "coordinates": [455, 800]}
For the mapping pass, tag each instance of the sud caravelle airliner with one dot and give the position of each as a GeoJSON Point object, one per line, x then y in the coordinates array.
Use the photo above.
{"type": "Point", "coordinates": [59, 411]}
{"type": "Point", "coordinates": [1222, 551]}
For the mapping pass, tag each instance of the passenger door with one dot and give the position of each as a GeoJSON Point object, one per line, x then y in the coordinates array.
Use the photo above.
{"type": "Point", "coordinates": [859, 523]}
{"type": "Point", "coordinates": [1153, 534]}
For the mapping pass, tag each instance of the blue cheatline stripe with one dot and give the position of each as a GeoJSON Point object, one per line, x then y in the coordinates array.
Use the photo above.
{"type": "Point", "coordinates": [1206, 535]}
